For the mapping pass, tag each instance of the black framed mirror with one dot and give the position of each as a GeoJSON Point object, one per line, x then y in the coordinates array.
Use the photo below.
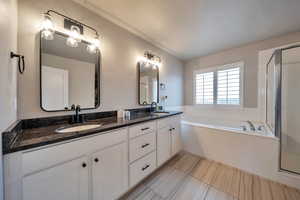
{"type": "Point", "coordinates": [148, 83]}
{"type": "Point", "coordinates": [68, 75]}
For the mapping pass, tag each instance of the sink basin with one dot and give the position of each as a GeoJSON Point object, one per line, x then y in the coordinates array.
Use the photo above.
{"type": "Point", "coordinates": [160, 113]}
{"type": "Point", "coordinates": [78, 128]}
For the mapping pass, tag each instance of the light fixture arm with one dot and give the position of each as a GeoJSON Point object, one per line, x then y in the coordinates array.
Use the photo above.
{"type": "Point", "coordinates": [73, 20]}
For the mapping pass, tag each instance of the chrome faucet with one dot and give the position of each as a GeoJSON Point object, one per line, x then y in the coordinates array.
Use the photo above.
{"type": "Point", "coordinates": [153, 106]}
{"type": "Point", "coordinates": [76, 118]}
{"type": "Point", "coordinates": [252, 127]}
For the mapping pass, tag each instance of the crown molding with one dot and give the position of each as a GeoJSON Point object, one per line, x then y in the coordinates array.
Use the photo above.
{"type": "Point", "coordinates": [128, 27]}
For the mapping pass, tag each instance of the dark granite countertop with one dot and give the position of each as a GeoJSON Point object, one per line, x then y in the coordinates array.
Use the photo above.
{"type": "Point", "coordinates": [24, 139]}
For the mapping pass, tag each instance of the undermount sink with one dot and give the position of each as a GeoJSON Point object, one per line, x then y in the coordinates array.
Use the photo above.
{"type": "Point", "coordinates": [160, 112]}
{"type": "Point", "coordinates": [78, 128]}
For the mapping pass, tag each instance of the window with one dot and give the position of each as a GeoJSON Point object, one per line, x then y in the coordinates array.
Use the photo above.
{"type": "Point", "coordinates": [220, 85]}
{"type": "Point", "coordinates": [205, 88]}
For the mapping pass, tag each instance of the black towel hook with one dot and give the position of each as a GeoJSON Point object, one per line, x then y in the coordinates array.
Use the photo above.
{"type": "Point", "coordinates": [21, 60]}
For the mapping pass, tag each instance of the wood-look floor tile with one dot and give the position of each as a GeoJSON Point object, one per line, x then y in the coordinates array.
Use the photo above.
{"type": "Point", "coordinates": [257, 190]}
{"type": "Point", "coordinates": [266, 193]}
{"type": "Point", "coordinates": [291, 193]}
{"type": "Point", "coordinates": [168, 183]}
{"type": "Point", "coordinates": [277, 190]}
{"type": "Point", "coordinates": [214, 194]}
{"type": "Point", "coordinates": [246, 186]}
{"type": "Point", "coordinates": [192, 189]}
{"type": "Point", "coordinates": [223, 178]}
{"type": "Point", "coordinates": [201, 169]}
{"type": "Point", "coordinates": [148, 194]}
{"type": "Point", "coordinates": [188, 177]}
{"type": "Point", "coordinates": [235, 183]}
{"type": "Point", "coordinates": [211, 173]}
{"type": "Point", "coordinates": [135, 193]}
{"type": "Point", "coordinates": [186, 163]}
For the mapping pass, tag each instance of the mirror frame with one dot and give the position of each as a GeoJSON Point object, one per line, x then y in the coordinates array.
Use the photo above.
{"type": "Point", "coordinates": [97, 74]}
{"type": "Point", "coordinates": [139, 79]}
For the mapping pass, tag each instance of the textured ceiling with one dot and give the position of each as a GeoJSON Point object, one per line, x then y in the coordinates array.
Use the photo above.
{"type": "Point", "coordinates": [191, 28]}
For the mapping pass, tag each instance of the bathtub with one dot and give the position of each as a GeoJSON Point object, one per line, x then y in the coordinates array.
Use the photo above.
{"type": "Point", "coordinates": [236, 126]}
{"type": "Point", "coordinates": [226, 141]}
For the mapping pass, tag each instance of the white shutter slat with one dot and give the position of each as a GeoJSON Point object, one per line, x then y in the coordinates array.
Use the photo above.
{"type": "Point", "coordinates": [228, 88]}
{"type": "Point", "coordinates": [204, 88]}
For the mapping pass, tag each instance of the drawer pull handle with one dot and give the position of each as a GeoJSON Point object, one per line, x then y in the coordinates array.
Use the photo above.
{"type": "Point", "coordinates": [84, 165]}
{"type": "Point", "coordinates": [143, 129]}
{"type": "Point", "coordinates": [145, 145]}
{"type": "Point", "coordinates": [144, 168]}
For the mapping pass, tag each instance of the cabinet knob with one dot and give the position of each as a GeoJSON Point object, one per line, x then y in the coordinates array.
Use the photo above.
{"type": "Point", "coordinates": [96, 160]}
{"type": "Point", "coordinates": [145, 145]}
{"type": "Point", "coordinates": [83, 165]}
{"type": "Point", "coordinates": [144, 168]}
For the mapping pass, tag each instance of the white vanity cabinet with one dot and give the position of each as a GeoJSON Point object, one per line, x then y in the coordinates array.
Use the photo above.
{"type": "Point", "coordinates": [109, 172]}
{"type": "Point", "coordinates": [168, 138]}
{"type": "Point", "coordinates": [95, 168]}
{"type": "Point", "coordinates": [66, 181]}
{"type": "Point", "coordinates": [103, 166]}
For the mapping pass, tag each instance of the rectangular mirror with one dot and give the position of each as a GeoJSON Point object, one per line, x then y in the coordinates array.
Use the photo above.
{"type": "Point", "coordinates": [148, 83]}
{"type": "Point", "coordinates": [68, 75]}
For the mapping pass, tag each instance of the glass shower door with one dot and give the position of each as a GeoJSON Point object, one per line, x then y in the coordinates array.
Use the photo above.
{"type": "Point", "coordinates": [290, 109]}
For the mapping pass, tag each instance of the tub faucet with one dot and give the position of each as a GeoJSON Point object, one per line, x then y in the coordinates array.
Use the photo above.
{"type": "Point", "coordinates": [252, 127]}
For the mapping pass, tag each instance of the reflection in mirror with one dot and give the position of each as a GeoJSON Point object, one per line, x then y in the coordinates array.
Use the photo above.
{"type": "Point", "coordinates": [148, 83]}
{"type": "Point", "coordinates": [68, 75]}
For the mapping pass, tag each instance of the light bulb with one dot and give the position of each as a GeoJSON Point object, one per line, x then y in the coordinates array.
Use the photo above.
{"type": "Point", "coordinates": [94, 46]}
{"type": "Point", "coordinates": [47, 28]}
{"type": "Point", "coordinates": [74, 36]}
{"type": "Point", "coordinates": [72, 42]}
{"type": "Point", "coordinates": [47, 35]}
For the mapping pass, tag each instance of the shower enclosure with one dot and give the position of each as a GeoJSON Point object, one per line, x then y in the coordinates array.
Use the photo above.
{"type": "Point", "coordinates": [283, 104]}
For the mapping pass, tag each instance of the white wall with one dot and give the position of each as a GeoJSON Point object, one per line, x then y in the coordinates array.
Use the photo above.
{"type": "Point", "coordinates": [8, 81]}
{"type": "Point", "coordinates": [248, 54]}
{"type": "Point", "coordinates": [120, 50]}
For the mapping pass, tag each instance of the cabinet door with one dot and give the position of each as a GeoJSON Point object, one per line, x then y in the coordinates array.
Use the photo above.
{"type": "Point", "coordinates": [110, 172]}
{"type": "Point", "coordinates": [163, 145]}
{"type": "Point", "coordinates": [66, 181]}
{"type": "Point", "coordinates": [176, 146]}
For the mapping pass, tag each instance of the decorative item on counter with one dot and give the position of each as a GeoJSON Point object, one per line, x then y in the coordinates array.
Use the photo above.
{"type": "Point", "coordinates": [163, 101]}
{"type": "Point", "coordinates": [162, 86]}
{"type": "Point", "coordinates": [127, 115]}
{"type": "Point", "coordinates": [121, 113]}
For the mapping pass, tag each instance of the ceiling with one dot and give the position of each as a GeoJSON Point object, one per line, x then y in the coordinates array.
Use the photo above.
{"type": "Point", "coordinates": [191, 28]}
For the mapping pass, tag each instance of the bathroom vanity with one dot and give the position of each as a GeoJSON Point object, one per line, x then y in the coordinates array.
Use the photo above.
{"type": "Point", "coordinates": [100, 163]}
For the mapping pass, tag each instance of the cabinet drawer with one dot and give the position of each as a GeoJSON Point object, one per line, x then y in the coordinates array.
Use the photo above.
{"type": "Point", "coordinates": [142, 145]}
{"type": "Point", "coordinates": [142, 129]}
{"type": "Point", "coordinates": [141, 168]}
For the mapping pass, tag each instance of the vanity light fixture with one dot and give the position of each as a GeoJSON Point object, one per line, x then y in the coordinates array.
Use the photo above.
{"type": "Point", "coordinates": [47, 29]}
{"type": "Point", "coordinates": [151, 59]}
{"type": "Point", "coordinates": [75, 31]}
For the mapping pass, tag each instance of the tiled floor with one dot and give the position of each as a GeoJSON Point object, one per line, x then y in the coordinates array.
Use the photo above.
{"type": "Point", "coordinates": [188, 177]}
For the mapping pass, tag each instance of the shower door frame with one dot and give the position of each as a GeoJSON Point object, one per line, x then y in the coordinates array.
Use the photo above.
{"type": "Point", "coordinates": [278, 97]}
